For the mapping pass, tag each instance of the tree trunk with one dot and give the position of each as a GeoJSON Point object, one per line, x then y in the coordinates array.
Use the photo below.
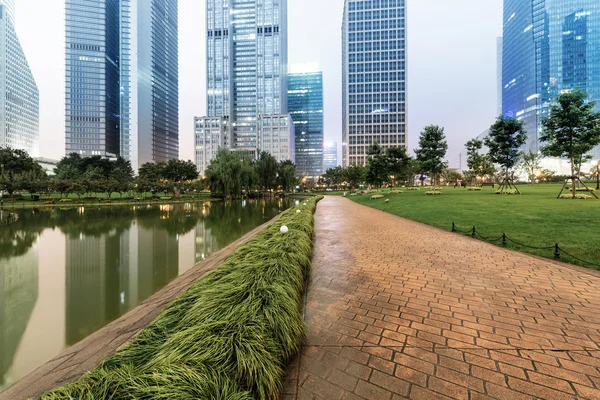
{"type": "Point", "coordinates": [573, 187]}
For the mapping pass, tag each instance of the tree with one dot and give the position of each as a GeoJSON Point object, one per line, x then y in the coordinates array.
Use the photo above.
{"type": "Point", "coordinates": [179, 171]}
{"type": "Point", "coordinates": [452, 176]}
{"type": "Point", "coordinates": [531, 163]}
{"type": "Point", "coordinates": [377, 165]}
{"type": "Point", "coordinates": [69, 167]}
{"type": "Point", "coordinates": [398, 162]}
{"type": "Point", "coordinates": [287, 176]}
{"type": "Point", "coordinates": [14, 164]}
{"type": "Point", "coordinates": [224, 173]}
{"type": "Point", "coordinates": [571, 130]}
{"type": "Point", "coordinates": [334, 177]}
{"type": "Point", "coordinates": [432, 150]}
{"type": "Point", "coordinates": [504, 141]}
{"type": "Point", "coordinates": [480, 165]}
{"type": "Point", "coordinates": [356, 175]}
{"type": "Point", "coordinates": [266, 169]}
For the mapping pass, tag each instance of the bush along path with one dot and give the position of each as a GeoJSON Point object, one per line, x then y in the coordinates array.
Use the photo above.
{"type": "Point", "coordinates": [229, 336]}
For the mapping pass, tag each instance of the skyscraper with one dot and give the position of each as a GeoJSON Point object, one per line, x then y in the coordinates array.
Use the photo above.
{"type": "Point", "coordinates": [305, 100]}
{"type": "Point", "coordinates": [373, 77]}
{"type": "Point", "coordinates": [330, 158]}
{"type": "Point", "coordinates": [499, 75]}
{"type": "Point", "coordinates": [246, 49]}
{"type": "Point", "coordinates": [122, 79]}
{"type": "Point", "coordinates": [19, 95]}
{"type": "Point", "coordinates": [549, 46]}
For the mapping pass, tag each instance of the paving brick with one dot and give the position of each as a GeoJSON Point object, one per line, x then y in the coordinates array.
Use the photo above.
{"type": "Point", "coordinates": [372, 392]}
{"type": "Point", "coordinates": [404, 310]}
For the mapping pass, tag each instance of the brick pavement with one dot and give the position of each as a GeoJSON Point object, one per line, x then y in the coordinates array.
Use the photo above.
{"type": "Point", "coordinates": [396, 309]}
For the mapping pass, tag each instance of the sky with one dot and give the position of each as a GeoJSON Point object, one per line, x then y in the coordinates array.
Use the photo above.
{"type": "Point", "coordinates": [451, 65]}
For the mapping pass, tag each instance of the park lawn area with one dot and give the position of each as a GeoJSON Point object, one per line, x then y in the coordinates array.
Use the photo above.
{"type": "Point", "coordinates": [535, 218]}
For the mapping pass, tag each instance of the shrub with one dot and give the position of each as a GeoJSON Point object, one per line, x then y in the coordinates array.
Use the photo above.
{"type": "Point", "coordinates": [433, 192]}
{"type": "Point", "coordinates": [396, 192]}
{"type": "Point", "coordinates": [412, 188]}
{"type": "Point", "coordinates": [377, 196]}
{"type": "Point", "coordinates": [165, 198]}
{"type": "Point", "coordinates": [353, 194]}
{"type": "Point", "coordinates": [507, 191]}
{"type": "Point", "coordinates": [66, 200]}
{"type": "Point", "coordinates": [474, 189]}
{"type": "Point", "coordinates": [579, 196]}
{"type": "Point", "coordinates": [228, 336]}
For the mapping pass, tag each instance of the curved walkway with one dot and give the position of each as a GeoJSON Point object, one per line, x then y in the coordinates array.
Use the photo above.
{"type": "Point", "coordinates": [397, 309]}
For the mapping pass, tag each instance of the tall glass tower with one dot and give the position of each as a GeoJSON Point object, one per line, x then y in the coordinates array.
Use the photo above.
{"type": "Point", "coordinates": [373, 77]}
{"type": "Point", "coordinates": [246, 57]}
{"type": "Point", "coordinates": [549, 46]}
{"type": "Point", "coordinates": [305, 101]}
{"type": "Point", "coordinates": [19, 95]}
{"type": "Point", "coordinates": [122, 79]}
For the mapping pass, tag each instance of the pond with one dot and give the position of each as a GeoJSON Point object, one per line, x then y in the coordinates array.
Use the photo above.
{"type": "Point", "coordinates": [65, 273]}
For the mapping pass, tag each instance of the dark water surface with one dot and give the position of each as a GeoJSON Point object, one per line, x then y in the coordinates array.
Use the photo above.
{"type": "Point", "coordinates": [65, 273]}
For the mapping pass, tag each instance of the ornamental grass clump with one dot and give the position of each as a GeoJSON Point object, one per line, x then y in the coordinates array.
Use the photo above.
{"type": "Point", "coordinates": [377, 196]}
{"type": "Point", "coordinates": [474, 189]}
{"type": "Point", "coordinates": [507, 191]}
{"type": "Point", "coordinates": [229, 336]}
{"type": "Point", "coordinates": [433, 192]}
{"type": "Point", "coordinates": [412, 188]}
{"type": "Point", "coordinates": [578, 196]}
{"type": "Point", "coordinates": [396, 191]}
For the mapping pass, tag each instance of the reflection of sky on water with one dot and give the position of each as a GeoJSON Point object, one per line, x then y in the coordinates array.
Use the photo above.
{"type": "Point", "coordinates": [64, 273]}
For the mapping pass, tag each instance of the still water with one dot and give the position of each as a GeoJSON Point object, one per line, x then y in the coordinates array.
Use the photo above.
{"type": "Point", "coordinates": [65, 273]}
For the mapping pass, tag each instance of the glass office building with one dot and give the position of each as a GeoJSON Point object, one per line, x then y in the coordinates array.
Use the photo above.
{"type": "Point", "coordinates": [246, 66]}
{"type": "Point", "coordinates": [305, 104]}
{"type": "Point", "coordinates": [373, 77]}
{"type": "Point", "coordinates": [19, 95]}
{"type": "Point", "coordinates": [330, 156]}
{"type": "Point", "coordinates": [549, 46]}
{"type": "Point", "coordinates": [122, 79]}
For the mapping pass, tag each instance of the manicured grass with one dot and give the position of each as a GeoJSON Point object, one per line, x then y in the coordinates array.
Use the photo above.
{"type": "Point", "coordinates": [534, 218]}
{"type": "Point", "coordinates": [228, 337]}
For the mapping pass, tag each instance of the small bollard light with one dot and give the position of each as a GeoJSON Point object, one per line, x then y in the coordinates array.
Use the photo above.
{"type": "Point", "coordinates": [387, 200]}
{"type": "Point", "coordinates": [297, 211]}
{"type": "Point", "coordinates": [284, 229]}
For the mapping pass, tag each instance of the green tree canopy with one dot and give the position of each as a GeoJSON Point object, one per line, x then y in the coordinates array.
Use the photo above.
{"type": "Point", "coordinates": [432, 150]}
{"type": "Point", "coordinates": [266, 169]}
{"type": "Point", "coordinates": [377, 165]}
{"type": "Point", "coordinates": [531, 163]}
{"type": "Point", "coordinates": [504, 141]}
{"type": "Point", "coordinates": [571, 130]}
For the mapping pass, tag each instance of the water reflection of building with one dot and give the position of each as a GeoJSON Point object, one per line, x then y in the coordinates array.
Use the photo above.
{"type": "Point", "coordinates": [18, 295]}
{"type": "Point", "coordinates": [206, 242]}
{"type": "Point", "coordinates": [109, 274]}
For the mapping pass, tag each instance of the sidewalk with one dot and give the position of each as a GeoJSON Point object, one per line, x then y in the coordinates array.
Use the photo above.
{"type": "Point", "coordinates": [396, 309]}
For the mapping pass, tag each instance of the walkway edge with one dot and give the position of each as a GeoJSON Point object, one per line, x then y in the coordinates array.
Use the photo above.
{"type": "Point", "coordinates": [75, 361]}
{"type": "Point", "coordinates": [585, 270]}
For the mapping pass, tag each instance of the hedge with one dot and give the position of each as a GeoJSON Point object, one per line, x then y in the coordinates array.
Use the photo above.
{"type": "Point", "coordinates": [230, 336]}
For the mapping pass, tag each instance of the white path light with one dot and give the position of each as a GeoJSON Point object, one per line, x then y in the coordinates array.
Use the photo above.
{"type": "Point", "coordinates": [284, 229]}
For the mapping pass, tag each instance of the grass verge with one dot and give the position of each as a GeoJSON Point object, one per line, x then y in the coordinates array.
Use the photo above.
{"type": "Point", "coordinates": [229, 336]}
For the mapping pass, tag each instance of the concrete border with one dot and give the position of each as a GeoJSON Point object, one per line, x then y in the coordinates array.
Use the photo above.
{"type": "Point", "coordinates": [75, 361]}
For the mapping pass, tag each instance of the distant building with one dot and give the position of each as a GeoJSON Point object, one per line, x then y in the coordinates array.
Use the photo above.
{"type": "Point", "coordinates": [246, 47]}
{"type": "Point", "coordinates": [549, 46]}
{"type": "Point", "coordinates": [499, 75]}
{"type": "Point", "coordinates": [47, 164]}
{"type": "Point", "coordinates": [276, 136]}
{"type": "Point", "coordinates": [373, 77]}
{"type": "Point", "coordinates": [305, 100]}
{"type": "Point", "coordinates": [19, 95]}
{"type": "Point", "coordinates": [211, 134]}
{"type": "Point", "coordinates": [122, 82]}
{"type": "Point", "coordinates": [330, 158]}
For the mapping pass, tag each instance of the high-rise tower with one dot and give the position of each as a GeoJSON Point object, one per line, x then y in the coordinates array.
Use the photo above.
{"type": "Point", "coordinates": [246, 56]}
{"type": "Point", "coordinates": [549, 46]}
{"type": "Point", "coordinates": [122, 79]}
{"type": "Point", "coordinates": [19, 95]}
{"type": "Point", "coordinates": [373, 77]}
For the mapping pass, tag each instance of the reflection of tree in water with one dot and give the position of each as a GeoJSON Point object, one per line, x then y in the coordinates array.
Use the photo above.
{"type": "Point", "coordinates": [228, 221]}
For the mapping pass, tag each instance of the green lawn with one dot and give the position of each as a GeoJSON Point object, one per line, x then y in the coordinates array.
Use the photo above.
{"type": "Point", "coordinates": [535, 218]}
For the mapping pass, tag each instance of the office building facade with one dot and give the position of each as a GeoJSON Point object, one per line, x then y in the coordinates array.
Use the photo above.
{"type": "Point", "coordinates": [122, 79]}
{"type": "Point", "coordinates": [19, 95]}
{"type": "Point", "coordinates": [246, 56]}
{"type": "Point", "coordinates": [305, 104]}
{"type": "Point", "coordinates": [373, 77]}
{"type": "Point", "coordinates": [549, 46]}
{"type": "Point", "coordinates": [330, 156]}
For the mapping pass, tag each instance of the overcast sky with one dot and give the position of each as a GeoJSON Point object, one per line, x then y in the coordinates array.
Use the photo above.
{"type": "Point", "coordinates": [451, 65]}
